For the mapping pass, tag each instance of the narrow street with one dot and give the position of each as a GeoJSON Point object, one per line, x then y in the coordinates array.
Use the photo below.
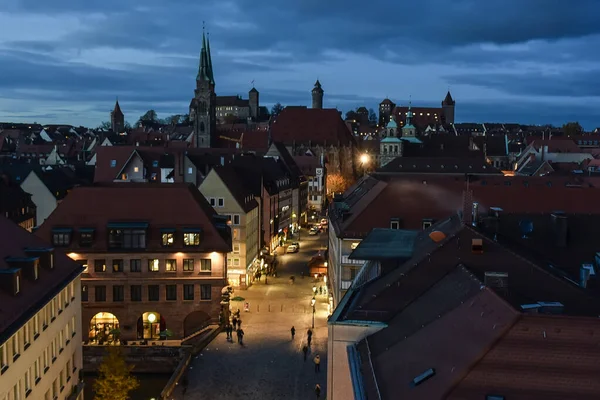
{"type": "Point", "coordinates": [270, 364]}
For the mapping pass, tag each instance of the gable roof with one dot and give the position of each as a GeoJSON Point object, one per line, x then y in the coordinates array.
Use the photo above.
{"type": "Point", "coordinates": [540, 357]}
{"type": "Point", "coordinates": [16, 310]}
{"type": "Point", "coordinates": [175, 205]}
{"type": "Point", "coordinates": [241, 194]}
{"type": "Point", "coordinates": [296, 125]}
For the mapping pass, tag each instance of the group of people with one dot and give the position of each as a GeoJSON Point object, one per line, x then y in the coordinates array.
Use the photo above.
{"type": "Point", "coordinates": [235, 325]}
{"type": "Point", "coordinates": [316, 360]}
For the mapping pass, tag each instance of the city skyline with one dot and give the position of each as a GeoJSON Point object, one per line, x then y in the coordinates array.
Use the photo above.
{"type": "Point", "coordinates": [67, 61]}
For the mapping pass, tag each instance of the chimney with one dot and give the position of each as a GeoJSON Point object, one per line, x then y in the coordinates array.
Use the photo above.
{"type": "Point", "coordinates": [560, 228]}
{"type": "Point", "coordinates": [467, 209]}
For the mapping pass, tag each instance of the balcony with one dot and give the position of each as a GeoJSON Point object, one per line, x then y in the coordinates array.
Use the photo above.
{"type": "Point", "coordinates": [346, 260]}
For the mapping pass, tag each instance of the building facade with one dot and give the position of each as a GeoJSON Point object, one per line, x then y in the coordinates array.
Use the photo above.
{"type": "Point", "coordinates": [40, 332]}
{"type": "Point", "coordinates": [154, 258]}
{"type": "Point", "coordinates": [227, 195]}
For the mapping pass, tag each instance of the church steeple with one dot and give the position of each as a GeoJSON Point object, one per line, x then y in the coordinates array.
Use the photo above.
{"type": "Point", "coordinates": [203, 105]}
{"type": "Point", "coordinates": [204, 70]}
{"type": "Point", "coordinates": [210, 68]}
{"type": "Point", "coordinates": [117, 118]}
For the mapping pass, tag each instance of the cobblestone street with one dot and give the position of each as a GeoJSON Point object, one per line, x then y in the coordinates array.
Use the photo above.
{"type": "Point", "coordinates": [270, 364]}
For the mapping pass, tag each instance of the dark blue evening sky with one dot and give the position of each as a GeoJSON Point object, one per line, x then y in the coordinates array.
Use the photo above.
{"type": "Point", "coordinates": [527, 61]}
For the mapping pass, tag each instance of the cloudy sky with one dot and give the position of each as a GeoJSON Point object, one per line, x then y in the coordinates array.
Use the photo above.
{"type": "Point", "coordinates": [527, 61]}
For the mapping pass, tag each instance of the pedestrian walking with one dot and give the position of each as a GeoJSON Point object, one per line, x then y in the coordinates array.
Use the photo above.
{"type": "Point", "coordinates": [309, 335]}
{"type": "Point", "coordinates": [305, 351]}
{"type": "Point", "coordinates": [228, 331]}
{"type": "Point", "coordinates": [320, 289]}
{"type": "Point", "coordinates": [293, 330]}
{"type": "Point", "coordinates": [318, 391]}
{"type": "Point", "coordinates": [240, 336]}
{"type": "Point", "coordinates": [234, 320]}
{"type": "Point", "coordinates": [239, 324]}
{"type": "Point", "coordinates": [317, 361]}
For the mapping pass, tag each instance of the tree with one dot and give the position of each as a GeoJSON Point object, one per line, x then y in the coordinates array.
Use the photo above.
{"type": "Point", "coordinates": [185, 119]}
{"type": "Point", "coordinates": [572, 129]}
{"type": "Point", "coordinates": [149, 116]}
{"type": "Point", "coordinates": [173, 119]}
{"type": "Point", "coordinates": [277, 109]}
{"type": "Point", "coordinates": [106, 125]}
{"type": "Point", "coordinates": [372, 116]}
{"type": "Point", "coordinates": [336, 183]}
{"type": "Point", "coordinates": [127, 125]}
{"type": "Point", "coordinates": [114, 377]}
{"type": "Point", "coordinates": [352, 115]}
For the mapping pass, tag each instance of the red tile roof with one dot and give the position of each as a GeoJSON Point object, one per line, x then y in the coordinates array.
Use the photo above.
{"type": "Point", "coordinates": [175, 206]}
{"type": "Point", "coordinates": [15, 310]}
{"type": "Point", "coordinates": [317, 126]}
{"type": "Point", "coordinates": [450, 345]}
{"type": "Point", "coordinates": [557, 145]}
{"type": "Point", "coordinates": [541, 357]}
{"type": "Point", "coordinates": [415, 197]}
{"type": "Point", "coordinates": [105, 172]}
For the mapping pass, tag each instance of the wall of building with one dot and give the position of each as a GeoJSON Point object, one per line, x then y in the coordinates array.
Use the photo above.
{"type": "Point", "coordinates": [43, 199]}
{"type": "Point", "coordinates": [340, 336]}
{"type": "Point", "coordinates": [134, 170]}
{"type": "Point", "coordinates": [49, 358]}
{"type": "Point", "coordinates": [175, 312]}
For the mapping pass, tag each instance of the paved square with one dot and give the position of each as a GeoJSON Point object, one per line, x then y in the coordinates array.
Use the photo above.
{"type": "Point", "coordinates": [269, 365]}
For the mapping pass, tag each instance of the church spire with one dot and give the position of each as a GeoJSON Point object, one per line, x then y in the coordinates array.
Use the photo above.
{"type": "Point", "coordinates": [204, 68]}
{"type": "Point", "coordinates": [210, 67]}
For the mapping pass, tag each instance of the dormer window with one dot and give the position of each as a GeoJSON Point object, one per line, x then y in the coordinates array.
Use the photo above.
{"type": "Point", "coordinates": [86, 237]}
{"type": "Point", "coordinates": [155, 164]}
{"type": "Point", "coordinates": [167, 237]}
{"type": "Point", "coordinates": [395, 223]}
{"type": "Point", "coordinates": [191, 237]}
{"type": "Point", "coordinates": [61, 236]}
{"type": "Point", "coordinates": [427, 223]}
{"type": "Point", "coordinates": [113, 163]}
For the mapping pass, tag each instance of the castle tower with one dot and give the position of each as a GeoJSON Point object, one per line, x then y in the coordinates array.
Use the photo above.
{"type": "Point", "coordinates": [117, 119]}
{"type": "Point", "coordinates": [253, 103]}
{"type": "Point", "coordinates": [409, 129]}
{"type": "Point", "coordinates": [448, 109]}
{"type": "Point", "coordinates": [203, 107]}
{"type": "Point", "coordinates": [317, 96]}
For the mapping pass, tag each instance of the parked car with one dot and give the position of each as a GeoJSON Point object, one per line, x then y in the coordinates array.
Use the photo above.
{"type": "Point", "coordinates": [292, 248]}
{"type": "Point", "coordinates": [313, 231]}
{"type": "Point", "coordinates": [296, 244]}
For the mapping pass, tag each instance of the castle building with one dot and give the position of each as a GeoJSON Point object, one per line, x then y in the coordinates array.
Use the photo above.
{"type": "Point", "coordinates": [203, 105]}
{"type": "Point", "coordinates": [421, 116]}
{"type": "Point", "coordinates": [317, 96]}
{"type": "Point", "coordinates": [235, 106]}
{"type": "Point", "coordinates": [117, 119]}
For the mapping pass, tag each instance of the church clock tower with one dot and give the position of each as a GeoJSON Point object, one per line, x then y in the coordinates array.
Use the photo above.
{"type": "Point", "coordinates": [204, 104]}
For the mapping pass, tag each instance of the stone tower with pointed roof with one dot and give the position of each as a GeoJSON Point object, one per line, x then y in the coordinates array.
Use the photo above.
{"type": "Point", "coordinates": [448, 109]}
{"type": "Point", "coordinates": [253, 103]}
{"type": "Point", "coordinates": [203, 107]}
{"type": "Point", "coordinates": [409, 130]}
{"type": "Point", "coordinates": [117, 119]}
{"type": "Point", "coordinates": [317, 96]}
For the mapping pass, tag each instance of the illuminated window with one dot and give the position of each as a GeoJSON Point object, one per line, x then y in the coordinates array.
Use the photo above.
{"type": "Point", "coordinates": [171, 265]}
{"type": "Point", "coordinates": [205, 265]}
{"type": "Point", "coordinates": [354, 245]}
{"type": "Point", "coordinates": [236, 248]}
{"type": "Point", "coordinates": [117, 265]}
{"type": "Point", "coordinates": [191, 239]}
{"type": "Point", "coordinates": [188, 264]}
{"type": "Point", "coordinates": [167, 239]}
{"type": "Point", "coordinates": [100, 265]}
{"type": "Point", "coordinates": [153, 265]}
{"type": "Point", "coordinates": [136, 169]}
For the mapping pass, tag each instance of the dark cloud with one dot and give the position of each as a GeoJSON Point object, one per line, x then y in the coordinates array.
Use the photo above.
{"type": "Point", "coordinates": [572, 84]}
{"type": "Point", "coordinates": [468, 43]}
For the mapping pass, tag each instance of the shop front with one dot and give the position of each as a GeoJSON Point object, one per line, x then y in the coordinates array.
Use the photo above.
{"type": "Point", "coordinates": [237, 278]}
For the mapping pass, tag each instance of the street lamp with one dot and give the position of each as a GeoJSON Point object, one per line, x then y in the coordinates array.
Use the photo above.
{"type": "Point", "coordinates": [151, 319]}
{"type": "Point", "coordinates": [312, 303]}
{"type": "Point", "coordinates": [364, 158]}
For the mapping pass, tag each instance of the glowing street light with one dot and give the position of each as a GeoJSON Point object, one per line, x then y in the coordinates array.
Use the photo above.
{"type": "Point", "coordinates": [364, 158]}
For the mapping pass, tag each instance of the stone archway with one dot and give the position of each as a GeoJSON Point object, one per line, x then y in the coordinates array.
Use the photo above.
{"type": "Point", "coordinates": [150, 325]}
{"type": "Point", "coordinates": [104, 329]}
{"type": "Point", "coordinates": [195, 321]}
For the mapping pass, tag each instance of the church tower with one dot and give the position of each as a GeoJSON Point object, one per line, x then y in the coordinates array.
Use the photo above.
{"type": "Point", "coordinates": [117, 119]}
{"type": "Point", "coordinates": [409, 130]}
{"type": "Point", "coordinates": [448, 109]}
{"type": "Point", "coordinates": [203, 107]}
{"type": "Point", "coordinates": [317, 96]}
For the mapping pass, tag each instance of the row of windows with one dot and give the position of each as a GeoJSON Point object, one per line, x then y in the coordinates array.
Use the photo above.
{"type": "Point", "coordinates": [216, 201]}
{"type": "Point", "coordinates": [125, 238]}
{"type": "Point", "coordinates": [30, 331]}
{"type": "Point", "coordinates": [10, 352]}
{"type": "Point", "coordinates": [153, 292]}
{"type": "Point", "coordinates": [154, 265]}
{"type": "Point", "coordinates": [396, 223]}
